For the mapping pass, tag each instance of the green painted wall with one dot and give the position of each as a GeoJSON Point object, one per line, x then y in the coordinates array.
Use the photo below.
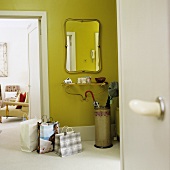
{"type": "Point", "coordinates": [69, 109]}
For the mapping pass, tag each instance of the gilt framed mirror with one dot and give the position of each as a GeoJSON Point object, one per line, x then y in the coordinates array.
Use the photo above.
{"type": "Point", "coordinates": [82, 46]}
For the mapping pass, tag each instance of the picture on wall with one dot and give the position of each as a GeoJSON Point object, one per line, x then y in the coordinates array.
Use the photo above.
{"type": "Point", "coordinates": [3, 60]}
{"type": "Point", "coordinates": [0, 93]}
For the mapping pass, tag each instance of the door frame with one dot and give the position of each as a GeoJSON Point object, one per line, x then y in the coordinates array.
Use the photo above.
{"type": "Point", "coordinates": [121, 111]}
{"type": "Point", "coordinates": [72, 59]}
{"type": "Point", "coordinates": [44, 87]}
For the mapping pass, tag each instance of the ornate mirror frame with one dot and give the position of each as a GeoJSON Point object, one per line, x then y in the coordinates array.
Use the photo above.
{"type": "Point", "coordinates": [93, 56]}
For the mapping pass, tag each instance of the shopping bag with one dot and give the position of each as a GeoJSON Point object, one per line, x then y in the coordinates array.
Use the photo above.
{"type": "Point", "coordinates": [46, 136]}
{"type": "Point", "coordinates": [28, 135]}
{"type": "Point", "coordinates": [65, 130]}
{"type": "Point", "coordinates": [68, 143]}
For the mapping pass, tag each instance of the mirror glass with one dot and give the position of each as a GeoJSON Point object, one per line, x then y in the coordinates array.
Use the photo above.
{"type": "Point", "coordinates": [82, 42]}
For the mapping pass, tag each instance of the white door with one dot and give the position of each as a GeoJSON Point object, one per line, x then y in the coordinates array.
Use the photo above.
{"type": "Point", "coordinates": [144, 73]}
{"type": "Point", "coordinates": [34, 70]}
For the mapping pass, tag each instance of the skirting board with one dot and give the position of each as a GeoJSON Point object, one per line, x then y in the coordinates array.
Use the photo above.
{"type": "Point", "coordinates": [88, 132]}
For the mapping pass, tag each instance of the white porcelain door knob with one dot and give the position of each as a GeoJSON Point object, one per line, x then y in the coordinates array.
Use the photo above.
{"type": "Point", "coordinates": [146, 108]}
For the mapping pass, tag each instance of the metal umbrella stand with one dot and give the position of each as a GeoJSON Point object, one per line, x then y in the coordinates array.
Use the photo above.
{"type": "Point", "coordinates": [102, 128]}
{"type": "Point", "coordinates": [102, 124]}
{"type": "Point", "coordinates": [102, 119]}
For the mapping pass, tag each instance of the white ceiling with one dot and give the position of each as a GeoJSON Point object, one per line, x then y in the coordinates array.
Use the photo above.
{"type": "Point", "coordinates": [17, 23]}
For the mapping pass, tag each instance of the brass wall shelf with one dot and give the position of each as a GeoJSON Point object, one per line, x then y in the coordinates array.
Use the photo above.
{"type": "Point", "coordinates": [85, 84]}
{"type": "Point", "coordinates": [68, 87]}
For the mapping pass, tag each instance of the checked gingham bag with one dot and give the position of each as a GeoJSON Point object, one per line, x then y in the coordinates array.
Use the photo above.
{"type": "Point", "coordinates": [68, 143]}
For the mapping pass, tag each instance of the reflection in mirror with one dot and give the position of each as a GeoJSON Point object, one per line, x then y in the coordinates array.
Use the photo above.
{"type": "Point", "coordinates": [82, 45]}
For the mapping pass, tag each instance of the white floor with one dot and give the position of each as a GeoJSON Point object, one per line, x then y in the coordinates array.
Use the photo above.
{"type": "Point", "coordinates": [12, 158]}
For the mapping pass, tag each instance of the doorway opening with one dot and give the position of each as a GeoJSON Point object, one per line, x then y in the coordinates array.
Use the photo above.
{"type": "Point", "coordinates": [42, 94]}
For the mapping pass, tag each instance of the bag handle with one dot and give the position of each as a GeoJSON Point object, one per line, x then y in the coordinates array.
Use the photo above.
{"type": "Point", "coordinates": [69, 128]}
{"type": "Point", "coordinates": [66, 130]}
{"type": "Point", "coordinates": [43, 120]}
{"type": "Point", "coordinates": [64, 127]}
{"type": "Point", "coordinates": [50, 120]}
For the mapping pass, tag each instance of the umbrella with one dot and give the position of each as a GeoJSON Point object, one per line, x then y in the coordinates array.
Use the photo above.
{"type": "Point", "coordinates": [95, 103]}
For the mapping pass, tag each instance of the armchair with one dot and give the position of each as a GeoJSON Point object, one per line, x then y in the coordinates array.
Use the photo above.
{"type": "Point", "coordinates": [15, 109]}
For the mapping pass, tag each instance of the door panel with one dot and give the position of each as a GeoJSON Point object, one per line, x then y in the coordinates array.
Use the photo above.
{"type": "Point", "coordinates": [143, 31]}
{"type": "Point", "coordinates": [34, 71]}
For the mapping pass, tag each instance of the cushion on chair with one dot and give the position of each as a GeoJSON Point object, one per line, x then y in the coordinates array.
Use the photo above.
{"type": "Point", "coordinates": [10, 94]}
{"type": "Point", "coordinates": [21, 99]}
